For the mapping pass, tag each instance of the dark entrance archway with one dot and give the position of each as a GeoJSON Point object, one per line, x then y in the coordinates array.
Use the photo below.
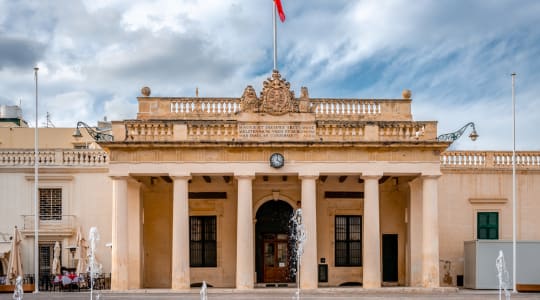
{"type": "Point", "coordinates": [272, 246]}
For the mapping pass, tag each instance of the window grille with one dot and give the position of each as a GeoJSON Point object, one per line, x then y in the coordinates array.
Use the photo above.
{"type": "Point", "coordinates": [50, 204]}
{"type": "Point", "coordinates": [46, 252]}
{"type": "Point", "coordinates": [348, 241]}
{"type": "Point", "coordinates": [202, 246]}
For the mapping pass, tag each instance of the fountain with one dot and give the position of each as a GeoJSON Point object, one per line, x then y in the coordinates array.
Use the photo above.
{"type": "Point", "coordinates": [298, 236]}
{"type": "Point", "coordinates": [18, 292]}
{"type": "Point", "coordinates": [502, 275]}
{"type": "Point", "coordinates": [93, 267]}
{"type": "Point", "coordinates": [203, 291]}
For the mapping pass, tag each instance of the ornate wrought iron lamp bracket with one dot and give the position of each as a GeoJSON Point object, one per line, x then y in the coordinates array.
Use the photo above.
{"type": "Point", "coordinates": [451, 137]}
{"type": "Point", "coordinates": [97, 134]}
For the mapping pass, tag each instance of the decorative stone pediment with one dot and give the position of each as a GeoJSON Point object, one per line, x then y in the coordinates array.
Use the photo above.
{"type": "Point", "coordinates": [276, 98]}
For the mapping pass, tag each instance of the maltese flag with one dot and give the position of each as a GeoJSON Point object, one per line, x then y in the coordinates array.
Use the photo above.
{"type": "Point", "coordinates": [280, 10]}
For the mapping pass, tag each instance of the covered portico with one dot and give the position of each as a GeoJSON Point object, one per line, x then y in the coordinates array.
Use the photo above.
{"type": "Point", "coordinates": [171, 168]}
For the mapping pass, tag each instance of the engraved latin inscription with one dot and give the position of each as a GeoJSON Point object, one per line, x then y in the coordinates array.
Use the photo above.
{"type": "Point", "coordinates": [276, 130]}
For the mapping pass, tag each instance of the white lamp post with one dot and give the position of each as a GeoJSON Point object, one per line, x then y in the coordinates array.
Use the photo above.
{"type": "Point", "coordinates": [36, 187]}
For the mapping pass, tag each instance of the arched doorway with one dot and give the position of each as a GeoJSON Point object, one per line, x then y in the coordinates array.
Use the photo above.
{"type": "Point", "coordinates": [273, 248]}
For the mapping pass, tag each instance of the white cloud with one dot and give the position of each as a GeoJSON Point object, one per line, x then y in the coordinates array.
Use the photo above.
{"type": "Point", "coordinates": [455, 56]}
{"type": "Point", "coordinates": [118, 108]}
{"type": "Point", "coordinates": [68, 108]}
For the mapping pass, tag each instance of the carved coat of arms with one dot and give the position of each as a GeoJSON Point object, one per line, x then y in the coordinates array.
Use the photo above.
{"type": "Point", "coordinates": [276, 98]}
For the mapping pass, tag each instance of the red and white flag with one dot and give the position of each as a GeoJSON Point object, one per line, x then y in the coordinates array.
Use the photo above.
{"type": "Point", "coordinates": [280, 10]}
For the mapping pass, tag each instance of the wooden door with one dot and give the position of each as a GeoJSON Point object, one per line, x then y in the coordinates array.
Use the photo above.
{"type": "Point", "coordinates": [275, 255]}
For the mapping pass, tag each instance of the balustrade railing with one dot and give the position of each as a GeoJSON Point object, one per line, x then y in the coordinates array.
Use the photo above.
{"type": "Point", "coordinates": [211, 131]}
{"type": "Point", "coordinates": [489, 159]}
{"type": "Point", "coordinates": [54, 157]}
{"type": "Point", "coordinates": [218, 108]}
{"type": "Point", "coordinates": [149, 131]}
{"type": "Point", "coordinates": [342, 132]}
{"type": "Point", "coordinates": [213, 106]}
{"type": "Point", "coordinates": [401, 131]}
{"type": "Point", "coordinates": [60, 223]}
{"type": "Point", "coordinates": [337, 107]}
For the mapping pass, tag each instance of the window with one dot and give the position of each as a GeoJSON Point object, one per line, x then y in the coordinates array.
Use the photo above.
{"type": "Point", "coordinates": [348, 242]}
{"type": "Point", "coordinates": [488, 226]}
{"type": "Point", "coordinates": [50, 204]}
{"type": "Point", "coordinates": [202, 245]}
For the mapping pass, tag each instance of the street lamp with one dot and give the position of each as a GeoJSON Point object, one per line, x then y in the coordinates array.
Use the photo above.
{"type": "Point", "coordinates": [97, 134]}
{"type": "Point", "coordinates": [452, 136]}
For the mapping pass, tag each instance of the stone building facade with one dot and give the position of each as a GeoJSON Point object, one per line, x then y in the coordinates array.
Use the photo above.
{"type": "Point", "coordinates": [202, 189]}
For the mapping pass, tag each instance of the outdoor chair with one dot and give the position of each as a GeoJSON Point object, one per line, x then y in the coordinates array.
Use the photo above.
{"type": "Point", "coordinates": [56, 285]}
{"type": "Point", "coordinates": [83, 282]}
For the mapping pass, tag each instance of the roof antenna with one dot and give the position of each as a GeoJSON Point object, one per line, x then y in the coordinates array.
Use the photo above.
{"type": "Point", "coordinates": [49, 123]}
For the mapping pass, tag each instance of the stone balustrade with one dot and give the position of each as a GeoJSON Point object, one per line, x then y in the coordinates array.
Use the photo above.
{"type": "Point", "coordinates": [62, 225]}
{"type": "Point", "coordinates": [490, 159]}
{"type": "Point", "coordinates": [356, 109]}
{"type": "Point", "coordinates": [204, 106]}
{"type": "Point", "coordinates": [149, 131]}
{"type": "Point", "coordinates": [402, 131]}
{"type": "Point", "coordinates": [160, 108]}
{"type": "Point", "coordinates": [55, 157]}
{"type": "Point", "coordinates": [525, 160]}
{"type": "Point", "coordinates": [212, 131]}
{"type": "Point", "coordinates": [348, 107]}
{"type": "Point", "coordinates": [340, 131]}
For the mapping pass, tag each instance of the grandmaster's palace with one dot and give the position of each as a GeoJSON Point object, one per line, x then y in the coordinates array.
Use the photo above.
{"type": "Point", "coordinates": [195, 189]}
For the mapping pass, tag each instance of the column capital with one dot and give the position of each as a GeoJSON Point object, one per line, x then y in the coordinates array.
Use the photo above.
{"type": "Point", "coordinates": [244, 175]}
{"type": "Point", "coordinates": [430, 175]}
{"type": "Point", "coordinates": [185, 176]}
{"type": "Point", "coordinates": [308, 175]}
{"type": "Point", "coordinates": [371, 175]}
{"type": "Point", "coordinates": [119, 176]}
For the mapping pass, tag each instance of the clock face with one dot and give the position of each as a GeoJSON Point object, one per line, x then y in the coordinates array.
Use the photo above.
{"type": "Point", "coordinates": [277, 160]}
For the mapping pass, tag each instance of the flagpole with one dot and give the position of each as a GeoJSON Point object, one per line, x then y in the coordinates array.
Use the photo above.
{"type": "Point", "coordinates": [274, 8]}
{"type": "Point", "coordinates": [514, 260]}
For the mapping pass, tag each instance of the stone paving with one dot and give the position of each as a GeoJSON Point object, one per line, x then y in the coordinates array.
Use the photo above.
{"type": "Point", "coordinates": [283, 293]}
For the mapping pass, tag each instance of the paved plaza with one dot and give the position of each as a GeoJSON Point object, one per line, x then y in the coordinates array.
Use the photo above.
{"type": "Point", "coordinates": [282, 293]}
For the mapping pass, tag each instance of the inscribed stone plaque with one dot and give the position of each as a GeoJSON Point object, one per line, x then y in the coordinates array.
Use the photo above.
{"type": "Point", "coordinates": [278, 131]}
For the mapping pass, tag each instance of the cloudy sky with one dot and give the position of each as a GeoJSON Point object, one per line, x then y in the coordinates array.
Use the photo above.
{"type": "Point", "coordinates": [455, 55]}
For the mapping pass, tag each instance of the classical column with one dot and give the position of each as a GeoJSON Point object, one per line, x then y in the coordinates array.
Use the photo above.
{"type": "Point", "coordinates": [308, 261]}
{"type": "Point", "coordinates": [415, 233]}
{"type": "Point", "coordinates": [134, 234]}
{"type": "Point", "coordinates": [119, 264]}
{"type": "Point", "coordinates": [180, 234]}
{"type": "Point", "coordinates": [245, 260]}
{"type": "Point", "coordinates": [430, 232]}
{"type": "Point", "coordinates": [372, 234]}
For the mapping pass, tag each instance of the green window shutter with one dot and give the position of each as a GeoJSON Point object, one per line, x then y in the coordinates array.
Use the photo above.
{"type": "Point", "coordinates": [488, 225]}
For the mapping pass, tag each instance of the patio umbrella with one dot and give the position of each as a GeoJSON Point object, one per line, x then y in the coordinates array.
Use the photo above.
{"type": "Point", "coordinates": [82, 248]}
{"type": "Point", "coordinates": [15, 262]}
{"type": "Point", "coordinates": [55, 268]}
